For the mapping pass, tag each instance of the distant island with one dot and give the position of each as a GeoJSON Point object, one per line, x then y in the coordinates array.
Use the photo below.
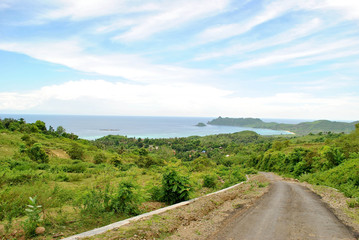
{"type": "Point", "coordinates": [300, 128]}
{"type": "Point", "coordinates": [110, 130]}
{"type": "Point", "coordinates": [201, 124]}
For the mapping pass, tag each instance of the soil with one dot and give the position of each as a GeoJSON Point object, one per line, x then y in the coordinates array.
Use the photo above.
{"type": "Point", "coordinates": [59, 153]}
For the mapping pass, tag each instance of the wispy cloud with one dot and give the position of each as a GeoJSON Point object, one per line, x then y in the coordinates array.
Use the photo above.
{"type": "Point", "coordinates": [224, 31]}
{"type": "Point", "coordinates": [297, 52]}
{"type": "Point", "coordinates": [87, 9]}
{"type": "Point", "coordinates": [348, 8]}
{"type": "Point", "coordinates": [175, 14]}
{"type": "Point", "coordinates": [294, 33]}
{"type": "Point", "coordinates": [71, 53]}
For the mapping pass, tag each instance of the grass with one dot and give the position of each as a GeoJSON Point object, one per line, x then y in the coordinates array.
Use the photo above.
{"type": "Point", "coordinates": [60, 183]}
{"type": "Point", "coordinates": [205, 163]}
{"type": "Point", "coordinates": [161, 226]}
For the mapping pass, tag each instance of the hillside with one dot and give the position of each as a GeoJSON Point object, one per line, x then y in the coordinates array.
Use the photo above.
{"type": "Point", "coordinates": [300, 128]}
{"type": "Point", "coordinates": [82, 184]}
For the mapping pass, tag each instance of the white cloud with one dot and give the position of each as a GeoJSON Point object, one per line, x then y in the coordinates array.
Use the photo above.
{"type": "Point", "coordinates": [86, 9]}
{"type": "Point", "coordinates": [271, 11]}
{"type": "Point", "coordinates": [71, 53]}
{"type": "Point", "coordinates": [172, 15]}
{"type": "Point", "coordinates": [299, 52]}
{"type": "Point", "coordinates": [294, 33]}
{"type": "Point", "coordinates": [118, 98]}
{"type": "Point", "coordinates": [348, 8]}
{"type": "Point", "coordinates": [103, 97]}
{"type": "Point", "coordinates": [329, 56]}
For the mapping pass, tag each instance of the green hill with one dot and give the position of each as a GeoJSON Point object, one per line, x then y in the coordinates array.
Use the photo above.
{"type": "Point", "coordinates": [300, 128]}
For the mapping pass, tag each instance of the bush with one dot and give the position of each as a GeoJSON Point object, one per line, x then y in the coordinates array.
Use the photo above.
{"type": "Point", "coordinates": [76, 152]}
{"type": "Point", "coordinates": [176, 188]}
{"type": "Point", "coordinates": [96, 201]}
{"type": "Point", "coordinates": [353, 203]}
{"type": "Point", "coordinates": [156, 193]}
{"type": "Point", "coordinates": [126, 200]}
{"type": "Point", "coordinates": [99, 158]}
{"type": "Point", "coordinates": [62, 177]}
{"type": "Point", "coordinates": [20, 177]}
{"type": "Point", "coordinates": [209, 181]}
{"type": "Point", "coordinates": [37, 154]}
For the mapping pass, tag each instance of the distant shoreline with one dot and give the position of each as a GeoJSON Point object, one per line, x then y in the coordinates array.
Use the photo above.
{"type": "Point", "coordinates": [303, 128]}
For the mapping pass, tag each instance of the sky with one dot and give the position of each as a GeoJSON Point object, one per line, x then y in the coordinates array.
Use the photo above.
{"type": "Point", "coordinates": [232, 58]}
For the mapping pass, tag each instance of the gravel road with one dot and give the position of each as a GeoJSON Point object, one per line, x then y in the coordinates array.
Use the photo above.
{"type": "Point", "coordinates": [287, 211]}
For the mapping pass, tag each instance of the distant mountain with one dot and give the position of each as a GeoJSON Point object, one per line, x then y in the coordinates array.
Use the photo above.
{"type": "Point", "coordinates": [300, 128]}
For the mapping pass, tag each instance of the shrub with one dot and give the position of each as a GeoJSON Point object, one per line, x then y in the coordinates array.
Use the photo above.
{"type": "Point", "coordinates": [96, 201]}
{"type": "Point", "coordinates": [156, 193]}
{"type": "Point", "coordinates": [353, 203]}
{"type": "Point", "coordinates": [99, 158]}
{"type": "Point", "coordinates": [76, 152]}
{"type": "Point", "coordinates": [250, 171]}
{"type": "Point", "coordinates": [238, 175]}
{"type": "Point", "coordinates": [209, 181]}
{"type": "Point", "coordinates": [62, 177]}
{"type": "Point", "coordinates": [333, 155]}
{"type": "Point", "coordinates": [37, 154]}
{"type": "Point", "coordinates": [176, 188]}
{"type": "Point", "coordinates": [126, 200]}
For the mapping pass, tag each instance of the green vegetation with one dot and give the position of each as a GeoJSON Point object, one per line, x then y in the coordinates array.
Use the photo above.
{"type": "Point", "coordinates": [33, 220]}
{"type": "Point", "coordinates": [84, 184]}
{"type": "Point", "coordinates": [300, 128]}
{"type": "Point", "coordinates": [175, 187]}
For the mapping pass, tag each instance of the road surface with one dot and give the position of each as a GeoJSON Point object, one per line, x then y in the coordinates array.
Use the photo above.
{"type": "Point", "coordinates": [288, 211]}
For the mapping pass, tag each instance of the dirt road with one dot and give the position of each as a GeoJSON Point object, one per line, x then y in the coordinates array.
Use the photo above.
{"type": "Point", "coordinates": [287, 211]}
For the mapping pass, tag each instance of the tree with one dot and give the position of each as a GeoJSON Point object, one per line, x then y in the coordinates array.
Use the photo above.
{"type": "Point", "coordinates": [41, 125]}
{"type": "Point", "coordinates": [60, 130]}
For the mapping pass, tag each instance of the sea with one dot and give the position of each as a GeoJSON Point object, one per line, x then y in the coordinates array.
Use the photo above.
{"type": "Point", "coordinates": [94, 127]}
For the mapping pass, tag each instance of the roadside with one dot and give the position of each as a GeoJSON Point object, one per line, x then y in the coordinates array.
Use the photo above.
{"type": "Point", "coordinates": [339, 204]}
{"type": "Point", "coordinates": [289, 211]}
{"type": "Point", "coordinates": [198, 220]}
{"type": "Point", "coordinates": [206, 217]}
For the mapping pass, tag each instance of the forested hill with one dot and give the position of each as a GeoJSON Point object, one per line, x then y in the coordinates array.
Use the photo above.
{"type": "Point", "coordinates": [300, 128]}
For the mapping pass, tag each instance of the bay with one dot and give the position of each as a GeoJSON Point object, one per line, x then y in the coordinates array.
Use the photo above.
{"type": "Point", "coordinates": [93, 127]}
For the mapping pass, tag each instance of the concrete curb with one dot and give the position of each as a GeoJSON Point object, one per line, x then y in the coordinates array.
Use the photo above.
{"type": "Point", "coordinates": [106, 228]}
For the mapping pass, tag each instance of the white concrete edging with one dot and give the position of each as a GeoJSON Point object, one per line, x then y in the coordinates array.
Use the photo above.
{"type": "Point", "coordinates": [106, 228]}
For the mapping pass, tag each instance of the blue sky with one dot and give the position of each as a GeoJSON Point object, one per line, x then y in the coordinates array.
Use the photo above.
{"type": "Point", "coordinates": [251, 58]}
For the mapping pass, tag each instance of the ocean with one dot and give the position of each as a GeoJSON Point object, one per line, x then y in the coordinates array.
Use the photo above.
{"type": "Point", "coordinates": [93, 127]}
